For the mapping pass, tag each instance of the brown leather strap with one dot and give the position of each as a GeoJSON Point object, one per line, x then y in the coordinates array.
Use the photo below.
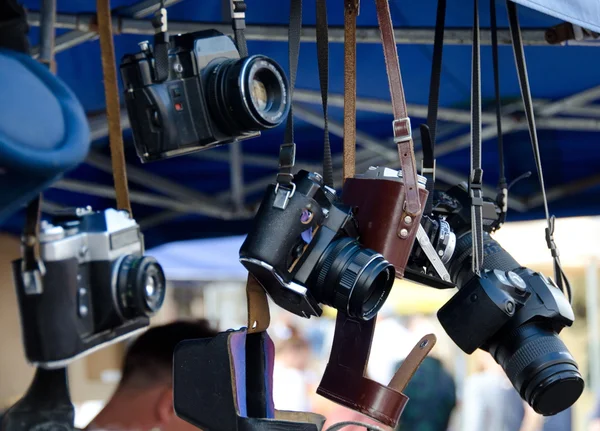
{"type": "Point", "coordinates": [401, 124]}
{"type": "Point", "coordinates": [259, 317]}
{"type": "Point", "coordinates": [350, 13]}
{"type": "Point", "coordinates": [412, 362]}
{"type": "Point", "coordinates": [113, 114]}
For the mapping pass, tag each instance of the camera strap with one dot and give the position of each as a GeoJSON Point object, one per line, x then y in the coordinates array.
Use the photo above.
{"type": "Point", "coordinates": [517, 43]}
{"type": "Point", "coordinates": [401, 124]}
{"type": "Point", "coordinates": [161, 43]}
{"type": "Point", "coordinates": [428, 131]}
{"type": "Point", "coordinates": [323, 64]}
{"type": "Point", "coordinates": [238, 24]}
{"type": "Point", "coordinates": [476, 177]}
{"type": "Point", "coordinates": [351, 11]}
{"type": "Point", "coordinates": [285, 187]}
{"type": "Point", "coordinates": [113, 108]}
{"type": "Point", "coordinates": [502, 197]}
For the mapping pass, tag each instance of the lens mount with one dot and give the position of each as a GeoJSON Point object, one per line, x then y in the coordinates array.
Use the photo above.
{"type": "Point", "coordinates": [353, 279]}
{"type": "Point", "coordinates": [141, 286]}
{"type": "Point", "coordinates": [249, 94]}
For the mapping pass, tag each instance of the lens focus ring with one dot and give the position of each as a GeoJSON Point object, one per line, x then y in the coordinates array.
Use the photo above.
{"type": "Point", "coordinates": [530, 352]}
{"type": "Point", "coordinates": [354, 269]}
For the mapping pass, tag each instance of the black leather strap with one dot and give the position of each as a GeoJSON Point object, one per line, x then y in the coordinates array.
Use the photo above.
{"type": "Point", "coordinates": [517, 42]}
{"type": "Point", "coordinates": [428, 133]}
{"type": "Point", "coordinates": [502, 197]}
{"type": "Point", "coordinates": [238, 23]}
{"type": "Point", "coordinates": [323, 63]}
{"type": "Point", "coordinates": [287, 152]}
{"type": "Point", "coordinates": [476, 177]}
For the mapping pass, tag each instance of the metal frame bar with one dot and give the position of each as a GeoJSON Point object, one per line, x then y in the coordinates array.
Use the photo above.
{"type": "Point", "coordinates": [279, 33]}
{"type": "Point", "coordinates": [76, 36]}
{"type": "Point", "coordinates": [374, 151]}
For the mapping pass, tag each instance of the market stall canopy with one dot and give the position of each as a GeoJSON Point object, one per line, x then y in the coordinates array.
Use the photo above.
{"type": "Point", "coordinates": [584, 13]}
{"type": "Point", "coordinates": [191, 196]}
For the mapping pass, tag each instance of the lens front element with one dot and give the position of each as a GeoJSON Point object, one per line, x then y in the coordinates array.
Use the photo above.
{"type": "Point", "coordinates": [353, 279]}
{"type": "Point", "coordinates": [141, 286]}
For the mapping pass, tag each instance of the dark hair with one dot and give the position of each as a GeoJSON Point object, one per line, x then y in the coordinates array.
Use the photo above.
{"type": "Point", "coordinates": [150, 357]}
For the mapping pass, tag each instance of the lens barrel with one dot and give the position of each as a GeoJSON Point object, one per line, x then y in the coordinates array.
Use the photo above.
{"type": "Point", "coordinates": [353, 279]}
{"type": "Point", "coordinates": [141, 286]}
{"type": "Point", "coordinates": [248, 95]}
{"type": "Point", "coordinates": [540, 367]}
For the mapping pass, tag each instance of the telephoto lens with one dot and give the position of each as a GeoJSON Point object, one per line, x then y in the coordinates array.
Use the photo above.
{"type": "Point", "coordinates": [249, 94]}
{"type": "Point", "coordinates": [352, 278]}
{"type": "Point", "coordinates": [527, 345]}
{"type": "Point", "coordinates": [141, 286]}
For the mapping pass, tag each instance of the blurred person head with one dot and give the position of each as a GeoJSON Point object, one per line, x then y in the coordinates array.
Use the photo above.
{"type": "Point", "coordinates": [294, 352]}
{"type": "Point", "coordinates": [143, 399]}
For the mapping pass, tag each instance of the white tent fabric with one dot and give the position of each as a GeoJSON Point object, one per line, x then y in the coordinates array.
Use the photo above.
{"type": "Point", "coordinates": [584, 13]}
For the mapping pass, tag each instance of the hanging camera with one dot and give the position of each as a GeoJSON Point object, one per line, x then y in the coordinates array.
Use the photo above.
{"type": "Point", "coordinates": [98, 286]}
{"type": "Point", "coordinates": [309, 253]}
{"type": "Point", "coordinates": [198, 91]}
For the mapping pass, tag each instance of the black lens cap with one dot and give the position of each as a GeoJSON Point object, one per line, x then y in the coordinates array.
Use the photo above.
{"type": "Point", "coordinates": [556, 389]}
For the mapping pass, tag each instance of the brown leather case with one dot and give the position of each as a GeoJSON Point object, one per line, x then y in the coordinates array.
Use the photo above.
{"type": "Point", "coordinates": [343, 381]}
{"type": "Point", "coordinates": [382, 221]}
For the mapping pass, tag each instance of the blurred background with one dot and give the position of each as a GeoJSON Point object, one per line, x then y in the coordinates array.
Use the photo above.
{"type": "Point", "coordinates": [207, 281]}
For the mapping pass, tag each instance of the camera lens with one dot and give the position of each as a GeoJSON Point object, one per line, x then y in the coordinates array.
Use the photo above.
{"type": "Point", "coordinates": [141, 286]}
{"type": "Point", "coordinates": [353, 279]}
{"type": "Point", "coordinates": [248, 95]}
{"type": "Point", "coordinates": [540, 367]}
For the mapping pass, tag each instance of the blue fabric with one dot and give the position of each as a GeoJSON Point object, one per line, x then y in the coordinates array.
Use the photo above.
{"type": "Point", "coordinates": [43, 130]}
{"type": "Point", "coordinates": [269, 365]}
{"type": "Point", "coordinates": [237, 347]}
{"type": "Point", "coordinates": [43, 127]}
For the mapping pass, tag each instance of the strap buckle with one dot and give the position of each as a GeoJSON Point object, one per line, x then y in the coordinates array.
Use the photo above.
{"type": "Point", "coordinates": [425, 170]}
{"type": "Point", "coordinates": [354, 6]}
{"type": "Point", "coordinates": [238, 9]}
{"type": "Point", "coordinates": [283, 194]}
{"type": "Point", "coordinates": [160, 21]}
{"type": "Point", "coordinates": [402, 130]}
{"type": "Point", "coordinates": [32, 267]}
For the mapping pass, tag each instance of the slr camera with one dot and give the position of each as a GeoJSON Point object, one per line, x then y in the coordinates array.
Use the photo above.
{"type": "Point", "coordinates": [378, 195]}
{"type": "Point", "coordinates": [510, 311]}
{"type": "Point", "coordinates": [98, 287]}
{"type": "Point", "coordinates": [210, 95]}
{"type": "Point", "coordinates": [308, 253]}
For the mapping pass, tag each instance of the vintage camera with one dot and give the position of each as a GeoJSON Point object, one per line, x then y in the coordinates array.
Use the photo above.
{"type": "Point", "coordinates": [210, 97]}
{"type": "Point", "coordinates": [98, 286]}
{"type": "Point", "coordinates": [510, 311]}
{"type": "Point", "coordinates": [378, 195]}
{"type": "Point", "coordinates": [309, 253]}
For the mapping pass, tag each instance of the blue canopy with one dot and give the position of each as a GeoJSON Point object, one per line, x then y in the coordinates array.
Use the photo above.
{"type": "Point", "coordinates": [189, 196]}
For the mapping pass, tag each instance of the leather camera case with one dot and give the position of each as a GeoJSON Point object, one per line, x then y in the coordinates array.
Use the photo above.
{"type": "Point", "coordinates": [381, 217]}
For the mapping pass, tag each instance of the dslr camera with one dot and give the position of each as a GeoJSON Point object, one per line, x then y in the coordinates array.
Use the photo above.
{"type": "Point", "coordinates": [307, 252]}
{"type": "Point", "coordinates": [510, 311]}
{"type": "Point", "coordinates": [97, 288]}
{"type": "Point", "coordinates": [200, 95]}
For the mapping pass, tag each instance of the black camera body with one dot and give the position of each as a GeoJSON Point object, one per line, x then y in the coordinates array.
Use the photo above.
{"type": "Point", "coordinates": [510, 311]}
{"type": "Point", "coordinates": [308, 253]}
{"type": "Point", "coordinates": [210, 97]}
{"type": "Point", "coordinates": [97, 287]}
